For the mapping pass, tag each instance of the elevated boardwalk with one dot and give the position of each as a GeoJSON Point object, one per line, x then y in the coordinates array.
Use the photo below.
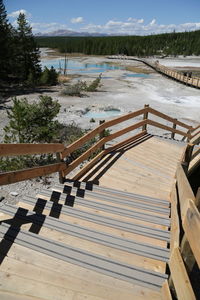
{"type": "Point", "coordinates": [169, 72]}
{"type": "Point", "coordinates": [106, 233]}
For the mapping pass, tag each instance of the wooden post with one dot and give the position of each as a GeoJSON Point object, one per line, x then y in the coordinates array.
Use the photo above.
{"type": "Point", "coordinates": [174, 127]}
{"type": "Point", "coordinates": [189, 136]}
{"type": "Point", "coordinates": [102, 133]}
{"type": "Point", "coordinates": [187, 158]}
{"type": "Point", "coordinates": [145, 117]}
{"type": "Point", "coordinates": [61, 177]}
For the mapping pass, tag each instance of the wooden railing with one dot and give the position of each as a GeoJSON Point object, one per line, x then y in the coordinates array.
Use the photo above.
{"type": "Point", "coordinates": [185, 232]}
{"type": "Point", "coordinates": [179, 76]}
{"type": "Point", "coordinates": [63, 153]}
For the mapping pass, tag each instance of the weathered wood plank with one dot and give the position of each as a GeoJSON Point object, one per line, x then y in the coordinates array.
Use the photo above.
{"type": "Point", "coordinates": [165, 291]}
{"type": "Point", "coordinates": [16, 176]}
{"type": "Point", "coordinates": [25, 149]}
{"type": "Point", "coordinates": [184, 190]}
{"type": "Point", "coordinates": [175, 227]}
{"type": "Point", "coordinates": [180, 278]}
{"type": "Point", "coordinates": [191, 226]}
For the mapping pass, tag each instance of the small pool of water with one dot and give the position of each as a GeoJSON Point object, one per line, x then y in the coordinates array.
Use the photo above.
{"type": "Point", "coordinates": [74, 66]}
{"type": "Point", "coordinates": [136, 75]}
{"type": "Point", "coordinates": [102, 114]}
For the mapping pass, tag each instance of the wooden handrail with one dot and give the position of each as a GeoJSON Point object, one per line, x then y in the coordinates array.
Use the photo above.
{"type": "Point", "coordinates": [185, 227]}
{"type": "Point", "coordinates": [98, 145]}
{"type": "Point", "coordinates": [77, 144]}
{"type": "Point", "coordinates": [62, 152]}
{"type": "Point", "coordinates": [168, 118]}
{"type": "Point", "coordinates": [27, 149]}
{"type": "Point", "coordinates": [16, 176]}
{"type": "Point", "coordinates": [159, 125]}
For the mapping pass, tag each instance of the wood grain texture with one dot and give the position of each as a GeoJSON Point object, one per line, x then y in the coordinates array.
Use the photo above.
{"type": "Point", "coordinates": [179, 276]}
{"type": "Point", "coordinates": [26, 149]}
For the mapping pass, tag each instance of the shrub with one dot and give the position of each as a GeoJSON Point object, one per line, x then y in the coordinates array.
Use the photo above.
{"type": "Point", "coordinates": [74, 89]}
{"type": "Point", "coordinates": [81, 86]}
{"type": "Point", "coordinates": [31, 123]}
{"type": "Point", "coordinates": [94, 85]}
{"type": "Point", "coordinates": [49, 76]}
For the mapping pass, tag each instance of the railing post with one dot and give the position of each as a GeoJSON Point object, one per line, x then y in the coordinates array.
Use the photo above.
{"type": "Point", "coordinates": [61, 178]}
{"type": "Point", "coordinates": [102, 133]}
{"type": "Point", "coordinates": [174, 127]}
{"type": "Point", "coordinates": [187, 157]}
{"type": "Point", "coordinates": [189, 135]}
{"type": "Point", "coordinates": [145, 117]}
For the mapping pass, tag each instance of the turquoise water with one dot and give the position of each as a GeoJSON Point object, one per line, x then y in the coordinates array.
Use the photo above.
{"type": "Point", "coordinates": [80, 67]}
{"type": "Point", "coordinates": [102, 114]}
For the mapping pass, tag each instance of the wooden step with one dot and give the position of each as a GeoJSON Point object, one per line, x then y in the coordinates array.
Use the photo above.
{"type": "Point", "coordinates": [119, 201]}
{"type": "Point", "coordinates": [104, 224]}
{"type": "Point", "coordinates": [109, 267]}
{"type": "Point", "coordinates": [108, 245]}
{"type": "Point", "coordinates": [84, 283]}
{"type": "Point", "coordinates": [80, 203]}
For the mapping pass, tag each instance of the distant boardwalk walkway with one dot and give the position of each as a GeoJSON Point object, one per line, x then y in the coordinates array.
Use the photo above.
{"type": "Point", "coordinates": [178, 76]}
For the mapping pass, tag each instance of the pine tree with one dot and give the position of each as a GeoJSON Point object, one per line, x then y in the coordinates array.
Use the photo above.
{"type": "Point", "coordinates": [27, 57]}
{"type": "Point", "coordinates": [5, 43]}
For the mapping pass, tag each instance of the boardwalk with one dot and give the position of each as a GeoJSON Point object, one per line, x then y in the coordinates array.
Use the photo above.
{"type": "Point", "coordinates": [170, 73]}
{"type": "Point", "coordinates": [115, 232]}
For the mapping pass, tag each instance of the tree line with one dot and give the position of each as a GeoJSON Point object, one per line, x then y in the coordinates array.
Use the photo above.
{"type": "Point", "coordinates": [182, 43]}
{"type": "Point", "coordinates": [19, 54]}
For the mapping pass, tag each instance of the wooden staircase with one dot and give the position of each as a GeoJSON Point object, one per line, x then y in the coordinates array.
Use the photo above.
{"type": "Point", "coordinates": [104, 236]}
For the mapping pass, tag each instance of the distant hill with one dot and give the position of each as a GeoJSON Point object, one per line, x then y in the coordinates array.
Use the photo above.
{"type": "Point", "coordinates": [64, 32]}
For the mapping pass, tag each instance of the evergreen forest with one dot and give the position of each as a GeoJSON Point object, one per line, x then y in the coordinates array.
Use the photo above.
{"type": "Point", "coordinates": [20, 56]}
{"type": "Point", "coordinates": [182, 43]}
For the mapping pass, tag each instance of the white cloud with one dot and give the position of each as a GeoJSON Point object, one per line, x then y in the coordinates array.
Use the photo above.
{"type": "Point", "coordinates": [129, 27]}
{"type": "Point", "coordinates": [77, 20]}
{"type": "Point", "coordinates": [48, 27]}
{"type": "Point", "coordinates": [153, 22]}
{"type": "Point", "coordinates": [138, 27]}
{"type": "Point", "coordinates": [16, 13]}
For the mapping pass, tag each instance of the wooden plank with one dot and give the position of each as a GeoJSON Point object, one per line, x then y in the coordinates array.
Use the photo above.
{"type": "Point", "coordinates": [25, 149]}
{"type": "Point", "coordinates": [16, 176]}
{"type": "Point", "coordinates": [83, 157]}
{"type": "Point", "coordinates": [195, 134]}
{"type": "Point", "coordinates": [166, 117]}
{"type": "Point", "coordinates": [126, 141]}
{"type": "Point", "coordinates": [98, 145]}
{"type": "Point", "coordinates": [99, 129]}
{"type": "Point", "coordinates": [195, 153]}
{"type": "Point", "coordinates": [195, 128]}
{"type": "Point", "coordinates": [89, 165]}
{"type": "Point", "coordinates": [191, 225]}
{"type": "Point", "coordinates": [125, 130]}
{"type": "Point", "coordinates": [13, 296]}
{"type": "Point", "coordinates": [79, 279]}
{"type": "Point", "coordinates": [156, 124]}
{"type": "Point", "coordinates": [165, 291]}
{"type": "Point", "coordinates": [184, 190]}
{"type": "Point", "coordinates": [175, 227]}
{"type": "Point", "coordinates": [180, 278]}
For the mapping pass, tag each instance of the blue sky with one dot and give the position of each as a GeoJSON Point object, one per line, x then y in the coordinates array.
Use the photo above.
{"type": "Point", "coordinates": [108, 16]}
